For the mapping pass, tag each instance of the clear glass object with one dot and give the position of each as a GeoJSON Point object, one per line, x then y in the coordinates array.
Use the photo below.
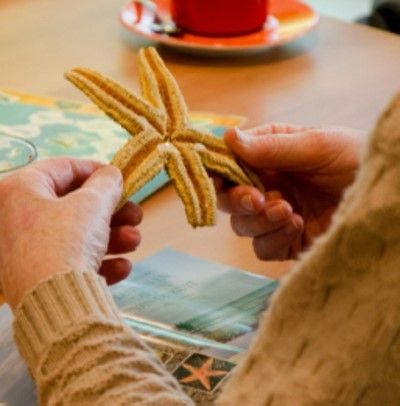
{"type": "Point", "coordinates": [15, 153]}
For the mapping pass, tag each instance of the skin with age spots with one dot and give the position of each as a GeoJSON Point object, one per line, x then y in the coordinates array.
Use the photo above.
{"type": "Point", "coordinates": [304, 170]}
{"type": "Point", "coordinates": [59, 191]}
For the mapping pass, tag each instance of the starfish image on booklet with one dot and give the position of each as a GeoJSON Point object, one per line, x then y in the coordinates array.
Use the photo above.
{"type": "Point", "coordinates": [162, 137]}
{"type": "Point", "coordinates": [203, 372]}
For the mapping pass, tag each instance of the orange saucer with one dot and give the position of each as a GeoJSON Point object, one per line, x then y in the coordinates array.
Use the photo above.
{"type": "Point", "coordinates": [287, 20]}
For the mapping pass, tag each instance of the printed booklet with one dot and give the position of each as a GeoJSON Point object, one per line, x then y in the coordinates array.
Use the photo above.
{"type": "Point", "coordinates": [198, 316]}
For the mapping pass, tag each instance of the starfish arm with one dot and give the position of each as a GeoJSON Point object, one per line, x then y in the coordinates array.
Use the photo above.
{"type": "Point", "coordinates": [131, 112]}
{"type": "Point", "coordinates": [135, 150]}
{"type": "Point", "coordinates": [177, 171]}
{"type": "Point", "coordinates": [201, 182]}
{"type": "Point", "coordinates": [255, 180]}
{"type": "Point", "coordinates": [143, 173]}
{"type": "Point", "coordinates": [189, 378]}
{"type": "Point", "coordinates": [149, 85]}
{"type": "Point", "coordinates": [133, 160]}
{"type": "Point", "coordinates": [195, 136]}
{"type": "Point", "coordinates": [170, 93]}
{"type": "Point", "coordinates": [224, 165]}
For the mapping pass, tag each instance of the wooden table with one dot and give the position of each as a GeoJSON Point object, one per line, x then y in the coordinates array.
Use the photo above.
{"type": "Point", "coordinates": [340, 74]}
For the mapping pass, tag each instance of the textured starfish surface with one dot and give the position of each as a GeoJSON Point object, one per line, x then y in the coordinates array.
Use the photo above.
{"type": "Point", "coordinates": [162, 137]}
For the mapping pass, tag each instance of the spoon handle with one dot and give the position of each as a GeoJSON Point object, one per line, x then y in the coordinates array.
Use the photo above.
{"type": "Point", "coordinates": [162, 24]}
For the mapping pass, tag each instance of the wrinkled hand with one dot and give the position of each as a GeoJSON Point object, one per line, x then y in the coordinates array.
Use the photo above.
{"type": "Point", "coordinates": [305, 171]}
{"type": "Point", "coordinates": [57, 216]}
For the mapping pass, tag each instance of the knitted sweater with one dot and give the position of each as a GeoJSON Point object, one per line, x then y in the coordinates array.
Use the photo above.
{"type": "Point", "coordinates": [330, 337]}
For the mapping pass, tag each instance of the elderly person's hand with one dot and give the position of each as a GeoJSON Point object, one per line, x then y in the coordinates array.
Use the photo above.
{"type": "Point", "coordinates": [305, 171]}
{"type": "Point", "coordinates": [57, 216]}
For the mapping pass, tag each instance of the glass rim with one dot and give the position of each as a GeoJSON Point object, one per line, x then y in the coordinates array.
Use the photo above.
{"type": "Point", "coordinates": [32, 157]}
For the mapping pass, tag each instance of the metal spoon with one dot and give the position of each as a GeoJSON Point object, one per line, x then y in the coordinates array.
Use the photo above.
{"type": "Point", "coordinates": [162, 24]}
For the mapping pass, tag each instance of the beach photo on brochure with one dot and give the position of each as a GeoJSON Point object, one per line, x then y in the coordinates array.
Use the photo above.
{"type": "Point", "coordinates": [198, 316]}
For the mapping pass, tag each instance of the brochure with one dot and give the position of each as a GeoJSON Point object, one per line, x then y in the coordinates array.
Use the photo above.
{"type": "Point", "coordinates": [197, 315]}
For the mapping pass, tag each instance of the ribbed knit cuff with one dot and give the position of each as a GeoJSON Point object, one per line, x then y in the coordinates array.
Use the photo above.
{"type": "Point", "coordinates": [55, 306]}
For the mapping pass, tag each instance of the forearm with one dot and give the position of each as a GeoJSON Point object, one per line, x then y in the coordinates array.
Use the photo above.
{"type": "Point", "coordinates": [79, 352]}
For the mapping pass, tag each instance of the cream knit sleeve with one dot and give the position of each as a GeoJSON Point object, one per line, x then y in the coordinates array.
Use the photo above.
{"type": "Point", "coordinates": [79, 352]}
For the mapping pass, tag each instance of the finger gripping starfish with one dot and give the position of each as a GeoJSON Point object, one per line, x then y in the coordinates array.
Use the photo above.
{"type": "Point", "coordinates": [162, 137]}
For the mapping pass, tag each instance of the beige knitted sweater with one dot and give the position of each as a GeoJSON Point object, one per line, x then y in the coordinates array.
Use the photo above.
{"type": "Point", "coordinates": [330, 337]}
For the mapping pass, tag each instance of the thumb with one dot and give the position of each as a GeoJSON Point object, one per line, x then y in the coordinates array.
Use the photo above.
{"type": "Point", "coordinates": [275, 151]}
{"type": "Point", "coordinates": [105, 187]}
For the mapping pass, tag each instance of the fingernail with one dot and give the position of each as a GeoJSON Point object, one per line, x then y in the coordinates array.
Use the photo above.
{"type": "Point", "coordinates": [247, 203]}
{"type": "Point", "coordinates": [276, 213]}
{"type": "Point", "coordinates": [242, 136]}
{"type": "Point", "coordinates": [135, 235]}
{"type": "Point", "coordinates": [116, 172]}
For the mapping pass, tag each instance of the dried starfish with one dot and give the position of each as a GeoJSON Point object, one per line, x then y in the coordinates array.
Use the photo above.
{"type": "Point", "coordinates": [162, 138]}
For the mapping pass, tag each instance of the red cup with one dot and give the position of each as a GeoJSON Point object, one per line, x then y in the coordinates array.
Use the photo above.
{"type": "Point", "coordinates": [219, 17]}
